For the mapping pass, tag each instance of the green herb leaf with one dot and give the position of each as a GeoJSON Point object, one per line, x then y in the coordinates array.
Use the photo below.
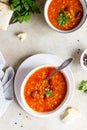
{"type": "Point", "coordinates": [26, 17]}
{"type": "Point", "coordinates": [85, 91]}
{"type": "Point", "coordinates": [49, 92]}
{"type": "Point", "coordinates": [23, 10]}
{"type": "Point", "coordinates": [63, 18]}
{"type": "Point", "coordinates": [83, 85]}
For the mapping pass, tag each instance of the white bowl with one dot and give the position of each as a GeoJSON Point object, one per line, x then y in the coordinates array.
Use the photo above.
{"type": "Point", "coordinates": [67, 31]}
{"type": "Point", "coordinates": [81, 59]}
{"type": "Point", "coordinates": [59, 108]}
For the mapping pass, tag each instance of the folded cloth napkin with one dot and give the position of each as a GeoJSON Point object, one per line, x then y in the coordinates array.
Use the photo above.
{"type": "Point", "coordinates": [6, 86]}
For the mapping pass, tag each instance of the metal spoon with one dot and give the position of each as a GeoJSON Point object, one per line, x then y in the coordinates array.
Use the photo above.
{"type": "Point", "coordinates": [62, 66]}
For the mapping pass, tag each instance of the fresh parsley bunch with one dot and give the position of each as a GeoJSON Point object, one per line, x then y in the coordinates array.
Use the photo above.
{"type": "Point", "coordinates": [23, 10]}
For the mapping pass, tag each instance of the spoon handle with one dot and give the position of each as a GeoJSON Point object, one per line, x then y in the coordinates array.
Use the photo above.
{"type": "Point", "coordinates": [62, 66]}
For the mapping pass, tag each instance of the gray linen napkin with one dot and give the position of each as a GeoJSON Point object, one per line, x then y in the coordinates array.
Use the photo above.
{"type": "Point", "coordinates": [6, 86]}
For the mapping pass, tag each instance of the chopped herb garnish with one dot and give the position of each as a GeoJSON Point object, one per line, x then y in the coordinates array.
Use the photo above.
{"type": "Point", "coordinates": [23, 10]}
{"type": "Point", "coordinates": [63, 18]}
{"type": "Point", "coordinates": [49, 92]}
{"type": "Point", "coordinates": [83, 86]}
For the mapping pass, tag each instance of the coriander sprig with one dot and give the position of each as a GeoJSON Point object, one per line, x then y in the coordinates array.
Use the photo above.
{"type": "Point", "coordinates": [23, 10]}
{"type": "Point", "coordinates": [63, 18]}
{"type": "Point", "coordinates": [49, 92]}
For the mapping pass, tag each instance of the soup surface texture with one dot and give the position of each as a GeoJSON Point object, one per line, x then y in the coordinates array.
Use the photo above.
{"type": "Point", "coordinates": [42, 95]}
{"type": "Point", "coordinates": [65, 14]}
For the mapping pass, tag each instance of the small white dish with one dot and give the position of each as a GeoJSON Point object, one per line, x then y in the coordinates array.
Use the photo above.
{"type": "Point", "coordinates": [33, 62]}
{"type": "Point", "coordinates": [82, 59]}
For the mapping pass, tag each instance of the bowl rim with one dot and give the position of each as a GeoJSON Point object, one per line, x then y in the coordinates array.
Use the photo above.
{"type": "Point", "coordinates": [84, 5]}
{"type": "Point", "coordinates": [55, 111]}
{"type": "Point", "coordinates": [81, 60]}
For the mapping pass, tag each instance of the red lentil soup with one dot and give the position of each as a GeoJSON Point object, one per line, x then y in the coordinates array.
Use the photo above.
{"type": "Point", "coordinates": [42, 95]}
{"type": "Point", "coordinates": [65, 14]}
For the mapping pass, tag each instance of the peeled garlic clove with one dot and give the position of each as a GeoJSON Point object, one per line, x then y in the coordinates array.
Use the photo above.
{"type": "Point", "coordinates": [22, 35]}
{"type": "Point", "coordinates": [71, 114]}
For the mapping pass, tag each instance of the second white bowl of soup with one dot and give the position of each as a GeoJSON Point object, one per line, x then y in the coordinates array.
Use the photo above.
{"type": "Point", "coordinates": [66, 15]}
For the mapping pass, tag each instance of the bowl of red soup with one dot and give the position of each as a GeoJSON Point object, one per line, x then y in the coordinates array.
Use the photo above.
{"type": "Point", "coordinates": [43, 98]}
{"type": "Point", "coordinates": [65, 15]}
